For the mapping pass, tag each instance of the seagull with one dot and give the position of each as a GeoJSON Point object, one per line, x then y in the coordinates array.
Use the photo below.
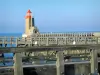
{"type": "Point", "coordinates": [35, 42]}
{"type": "Point", "coordinates": [74, 42]}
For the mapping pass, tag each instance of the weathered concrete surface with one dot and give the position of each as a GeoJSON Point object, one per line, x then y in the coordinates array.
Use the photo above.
{"type": "Point", "coordinates": [46, 71]}
{"type": "Point", "coordinates": [94, 61]}
{"type": "Point", "coordinates": [60, 63]}
{"type": "Point", "coordinates": [69, 70]}
{"type": "Point", "coordinates": [18, 69]}
{"type": "Point", "coordinates": [82, 69]}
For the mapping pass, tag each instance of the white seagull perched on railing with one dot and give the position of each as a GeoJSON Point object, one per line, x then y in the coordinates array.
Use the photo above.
{"type": "Point", "coordinates": [74, 42]}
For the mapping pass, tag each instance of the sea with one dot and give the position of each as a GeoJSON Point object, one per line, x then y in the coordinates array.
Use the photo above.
{"type": "Point", "coordinates": [9, 55]}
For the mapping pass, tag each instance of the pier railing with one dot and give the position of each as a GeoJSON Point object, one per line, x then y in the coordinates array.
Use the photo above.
{"type": "Point", "coordinates": [47, 41]}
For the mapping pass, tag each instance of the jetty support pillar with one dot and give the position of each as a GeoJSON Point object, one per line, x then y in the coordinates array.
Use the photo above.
{"type": "Point", "coordinates": [60, 63]}
{"type": "Point", "coordinates": [94, 62]}
{"type": "Point", "coordinates": [18, 68]}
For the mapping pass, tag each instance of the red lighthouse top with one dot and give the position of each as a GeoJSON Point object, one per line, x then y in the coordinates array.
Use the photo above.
{"type": "Point", "coordinates": [29, 11]}
{"type": "Point", "coordinates": [28, 14]}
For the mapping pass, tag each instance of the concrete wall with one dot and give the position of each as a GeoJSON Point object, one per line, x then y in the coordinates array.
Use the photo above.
{"type": "Point", "coordinates": [46, 71]}
{"type": "Point", "coordinates": [76, 69]}
{"type": "Point", "coordinates": [82, 69]}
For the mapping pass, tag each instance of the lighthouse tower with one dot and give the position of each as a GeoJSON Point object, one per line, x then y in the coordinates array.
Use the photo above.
{"type": "Point", "coordinates": [28, 19]}
{"type": "Point", "coordinates": [29, 25]}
